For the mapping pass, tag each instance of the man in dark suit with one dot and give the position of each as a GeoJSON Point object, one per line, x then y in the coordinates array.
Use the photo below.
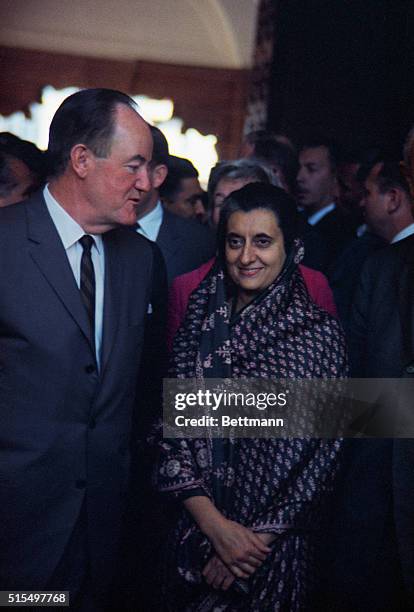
{"type": "Point", "coordinates": [184, 243]}
{"type": "Point", "coordinates": [372, 528]}
{"type": "Point", "coordinates": [387, 206]}
{"type": "Point", "coordinates": [317, 191]}
{"type": "Point", "coordinates": [75, 290]}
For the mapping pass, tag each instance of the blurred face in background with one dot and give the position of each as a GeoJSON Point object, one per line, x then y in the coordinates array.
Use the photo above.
{"type": "Point", "coordinates": [225, 187]}
{"type": "Point", "coordinates": [187, 201]}
{"type": "Point", "coordinates": [25, 182]}
{"type": "Point", "coordinates": [374, 204]}
{"type": "Point", "coordinates": [316, 179]}
{"type": "Point", "coordinates": [350, 190]}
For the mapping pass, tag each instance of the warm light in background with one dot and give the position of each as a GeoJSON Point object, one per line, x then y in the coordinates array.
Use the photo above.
{"type": "Point", "coordinates": [199, 149]}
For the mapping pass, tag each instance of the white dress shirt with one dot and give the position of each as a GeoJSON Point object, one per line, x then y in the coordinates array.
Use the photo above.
{"type": "Point", "coordinates": [70, 232]}
{"type": "Point", "coordinates": [320, 214]}
{"type": "Point", "coordinates": [151, 223]}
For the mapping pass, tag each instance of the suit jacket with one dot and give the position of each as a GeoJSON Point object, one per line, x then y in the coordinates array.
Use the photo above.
{"type": "Point", "coordinates": [317, 255]}
{"type": "Point", "coordinates": [184, 243]}
{"type": "Point", "coordinates": [65, 427]}
{"type": "Point", "coordinates": [345, 275]}
{"type": "Point", "coordinates": [336, 231]}
{"type": "Point", "coordinates": [372, 561]}
{"type": "Point", "coordinates": [382, 324]}
{"type": "Point", "coordinates": [185, 284]}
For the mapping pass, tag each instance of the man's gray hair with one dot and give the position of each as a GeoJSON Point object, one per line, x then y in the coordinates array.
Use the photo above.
{"type": "Point", "coordinates": [249, 169]}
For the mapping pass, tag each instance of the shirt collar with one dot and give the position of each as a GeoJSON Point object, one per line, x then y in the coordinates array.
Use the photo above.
{"type": "Point", "coordinates": [68, 229]}
{"type": "Point", "coordinates": [151, 222]}
{"type": "Point", "coordinates": [320, 214]}
{"type": "Point", "coordinates": [404, 233]}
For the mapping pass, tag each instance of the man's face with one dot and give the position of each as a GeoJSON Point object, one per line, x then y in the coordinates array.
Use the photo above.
{"type": "Point", "coordinates": [187, 201]}
{"type": "Point", "coordinates": [350, 189]}
{"type": "Point", "coordinates": [316, 180]}
{"type": "Point", "coordinates": [114, 186]}
{"type": "Point", "coordinates": [26, 181]}
{"type": "Point", "coordinates": [374, 203]}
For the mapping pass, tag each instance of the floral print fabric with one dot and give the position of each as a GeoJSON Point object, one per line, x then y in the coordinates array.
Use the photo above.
{"type": "Point", "coordinates": [269, 485]}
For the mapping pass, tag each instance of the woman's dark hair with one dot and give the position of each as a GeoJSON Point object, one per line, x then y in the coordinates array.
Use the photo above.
{"type": "Point", "coordinates": [260, 196]}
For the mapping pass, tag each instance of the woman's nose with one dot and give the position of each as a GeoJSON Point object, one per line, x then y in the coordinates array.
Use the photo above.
{"type": "Point", "coordinates": [248, 254]}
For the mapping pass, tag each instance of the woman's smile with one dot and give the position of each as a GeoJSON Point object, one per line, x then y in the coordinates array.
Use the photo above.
{"type": "Point", "coordinates": [250, 272]}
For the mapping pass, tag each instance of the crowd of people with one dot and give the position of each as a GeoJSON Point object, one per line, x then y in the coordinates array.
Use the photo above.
{"type": "Point", "coordinates": [118, 270]}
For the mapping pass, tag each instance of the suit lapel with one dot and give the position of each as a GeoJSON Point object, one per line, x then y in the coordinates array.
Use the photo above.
{"type": "Point", "coordinates": [167, 238]}
{"type": "Point", "coordinates": [48, 253]}
{"type": "Point", "coordinates": [112, 295]}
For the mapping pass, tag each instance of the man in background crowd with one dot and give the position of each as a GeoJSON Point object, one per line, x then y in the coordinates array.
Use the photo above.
{"type": "Point", "coordinates": [184, 243]}
{"type": "Point", "coordinates": [372, 539]}
{"type": "Point", "coordinates": [22, 168]}
{"type": "Point", "coordinates": [317, 191]}
{"type": "Point", "coordinates": [181, 192]}
{"type": "Point", "coordinates": [387, 210]}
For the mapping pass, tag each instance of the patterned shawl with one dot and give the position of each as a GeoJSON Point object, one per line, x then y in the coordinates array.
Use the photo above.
{"type": "Point", "coordinates": [269, 485]}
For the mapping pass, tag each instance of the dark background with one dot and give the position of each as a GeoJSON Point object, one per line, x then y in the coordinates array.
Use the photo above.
{"type": "Point", "coordinates": [344, 68]}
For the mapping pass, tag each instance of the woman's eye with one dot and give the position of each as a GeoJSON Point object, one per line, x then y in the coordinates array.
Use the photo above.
{"type": "Point", "coordinates": [234, 243]}
{"type": "Point", "coordinates": [262, 242]}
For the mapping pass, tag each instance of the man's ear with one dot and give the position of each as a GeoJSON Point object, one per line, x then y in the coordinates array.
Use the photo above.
{"type": "Point", "coordinates": [159, 174]}
{"type": "Point", "coordinates": [393, 200]}
{"type": "Point", "coordinates": [81, 159]}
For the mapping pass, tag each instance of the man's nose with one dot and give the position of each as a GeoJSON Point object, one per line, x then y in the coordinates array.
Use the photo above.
{"type": "Point", "coordinates": [300, 175]}
{"type": "Point", "coordinates": [143, 182]}
{"type": "Point", "coordinates": [199, 209]}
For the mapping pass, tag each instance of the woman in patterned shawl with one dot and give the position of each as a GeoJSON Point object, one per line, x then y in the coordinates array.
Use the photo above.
{"type": "Point", "coordinates": [250, 506]}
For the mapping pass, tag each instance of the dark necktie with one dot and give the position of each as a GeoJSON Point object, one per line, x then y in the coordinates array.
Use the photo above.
{"type": "Point", "coordinates": [87, 280]}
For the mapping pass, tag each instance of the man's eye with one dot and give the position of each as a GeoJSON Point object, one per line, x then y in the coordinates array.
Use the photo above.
{"type": "Point", "coordinates": [132, 168]}
{"type": "Point", "coordinates": [194, 199]}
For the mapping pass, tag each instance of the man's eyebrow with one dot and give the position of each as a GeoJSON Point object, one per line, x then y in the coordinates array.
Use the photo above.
{"type": "Point", "coordinates": [137, 158]}
{"type": "Point", "coordinates": [196, 196]}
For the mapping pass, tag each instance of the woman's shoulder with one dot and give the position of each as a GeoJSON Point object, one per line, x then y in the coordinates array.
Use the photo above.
{"type": "Point", "coordinates": [319, 289]}
{"type": "Point", "coordinates": [190, 280]}
{"type": "Point", "coordinates": [313, 276]}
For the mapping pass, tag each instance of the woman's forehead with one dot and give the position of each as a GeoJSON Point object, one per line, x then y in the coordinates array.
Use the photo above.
{"type": "Point", "coordinates": [256, 221]}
